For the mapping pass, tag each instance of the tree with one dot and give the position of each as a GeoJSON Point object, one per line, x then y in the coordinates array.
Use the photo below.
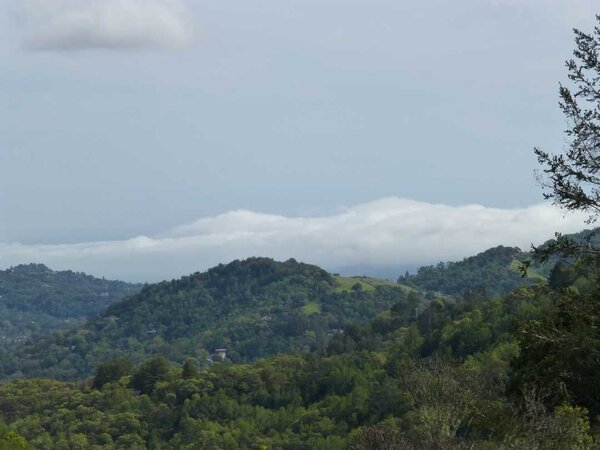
{"type": "Point", "coordinates": [572, 179]}
{"type": "Point", "coordinates": [559, 353]}
{"type": "Point", "coordinates": [149, 373]}
{"type": "Point", "coordinates": [112, 370]}
{"type": "Point", "coordinates": [561, 276]}
{"type": "Point", "coordinates": [12, 440]}
{"type": "Point", "coordinates": [379, 437]}
{"type": "Point", "coordinates": [189, 369]}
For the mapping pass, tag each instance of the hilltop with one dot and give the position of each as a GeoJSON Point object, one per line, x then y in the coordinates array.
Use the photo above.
{"type": "Point", "coordinates": [491, 273]}
{"type": "Point", "coordinates": [35, 300]}
{"type": "Point", "coordinates": [252, 308]}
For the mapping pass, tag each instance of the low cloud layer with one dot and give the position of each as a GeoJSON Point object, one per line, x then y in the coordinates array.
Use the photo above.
{"type": "Point", "coordinates": [67, 25]}
{"type": "Point", "coordinates": [387, 232]}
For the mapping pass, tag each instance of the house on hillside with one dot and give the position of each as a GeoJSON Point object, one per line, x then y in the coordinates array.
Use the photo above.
{"type": "Point", "coordinates": [220, 354]}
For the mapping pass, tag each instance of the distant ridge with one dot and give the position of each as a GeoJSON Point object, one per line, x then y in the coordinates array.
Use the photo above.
{"type": "Point", "coordinates": [252, 308]}
{"type": "Point", "coordinates": [490, 273]}
{"type": "Point", "coordinates": [35, 300]}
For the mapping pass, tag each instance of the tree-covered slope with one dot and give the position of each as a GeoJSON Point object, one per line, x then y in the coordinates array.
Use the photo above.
{"type": "Point", "coordinates": [497, 271]}
{"type": "Point", "coordinates": [35, 300]}
{"type": "Point", "coordinates": [490, 273]}
{"type": "Point", "coordinates": [252, 308]}
{"type": "Point", "coordinates": [435, 380]}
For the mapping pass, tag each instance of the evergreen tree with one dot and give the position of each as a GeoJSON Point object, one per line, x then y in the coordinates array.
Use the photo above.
{"type": "Point", "coordinates": [572, 179]}
{"type": "Point", "coordinates": [189, 369]}
{"type": "Point", "coordinates": [149, 373]}
{"type": "Point", "coordinates": [112, 370]}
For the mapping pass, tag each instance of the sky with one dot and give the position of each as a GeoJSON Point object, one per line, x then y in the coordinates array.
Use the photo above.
{"type": "Point", "coordinates": [147, 139]}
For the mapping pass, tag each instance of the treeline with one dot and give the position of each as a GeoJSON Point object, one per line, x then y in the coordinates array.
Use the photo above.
{"type": "Point", "coordinates": [36, 301]}
{"type": "Point", "coordinates": [467, 373]}
{"type": "Point", "coordinates": [491, 273]}
{"type": "Point", "coordinates": [252, 308]}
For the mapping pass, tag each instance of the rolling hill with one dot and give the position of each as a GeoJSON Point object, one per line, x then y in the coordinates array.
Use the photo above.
{"type": "Point", "coordinates": [491, 273]}
{"type": "Point", "coordinates": [35, 301]}
{"type": "Point", "coordinates": [252, 308]}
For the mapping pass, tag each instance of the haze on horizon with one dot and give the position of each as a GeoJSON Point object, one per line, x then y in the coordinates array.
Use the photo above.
{"type": "Point", "coordinates": [341, 133]}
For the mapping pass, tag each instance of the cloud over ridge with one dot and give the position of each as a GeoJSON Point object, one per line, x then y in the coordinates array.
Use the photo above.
{"type": "Point", "coordinates": [390, 231]}
{"type": "Point", "coordinates": [67, 25]}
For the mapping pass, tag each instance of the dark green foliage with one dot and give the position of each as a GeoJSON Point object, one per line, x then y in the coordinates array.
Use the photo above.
{"type": "Point", "coordinates": [488, 274]}
{"type": "Point", "coordinates": [35, 301]}
{"type": "Point", "coordinates": [252, 308]}
{"type": "Point", "coordinates": [357, 287]}
{"type": "Point", "coordinates": [579, 249]}
{"type": "Point", "coordinates": [189, 369]}
{"type": "Point", "coordinates": [149, 373]}
{"type": "Point", "coordinates": [562, 276]}
{"type": "Point", "coordinates": [434, 381]}
{"type": "Point", "coordinates": [560, 354]}
{"type": "Point", "coordinates": [571, 179]}
{"type": "Point", "coordinates": [379, 437]}
{"type": "Point", "coordinates": [110, 371]}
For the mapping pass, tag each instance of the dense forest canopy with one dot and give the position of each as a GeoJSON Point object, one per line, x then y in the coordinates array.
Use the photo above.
{"type": "Point", "coordinates": [252, 308]}
{"type": "Point", "coordinates": [448, 377]}
{"type": "Point", "coordinates": [490, 273]}
{"type": "Point", "coordinates": [35, 300]}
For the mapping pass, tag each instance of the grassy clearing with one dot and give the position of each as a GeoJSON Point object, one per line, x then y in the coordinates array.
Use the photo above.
{"type": "Point", "coordinates": [367, 283]}
{"type": "Point", "coordinates": [532, 273]}
{"type": "Point", "coordinates": [312, 308]}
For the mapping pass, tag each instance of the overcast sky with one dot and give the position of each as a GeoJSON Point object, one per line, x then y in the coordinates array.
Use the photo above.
{"type": "Point", "coordinates": [329, 130]}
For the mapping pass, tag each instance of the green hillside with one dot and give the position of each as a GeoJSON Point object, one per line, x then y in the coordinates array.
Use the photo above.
{"type": "Point", "coordinates": [448, 378]}
{"type": "Point", "coordinates": [365, 283]}
{"type": "Point", "coordinates": [252, 308]}
{"type": "Point", "coordinates": [491, 273]}
{"type": "Point", "coordinates": [35, 301]}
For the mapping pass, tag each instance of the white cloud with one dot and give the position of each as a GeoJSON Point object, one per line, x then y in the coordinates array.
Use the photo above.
{"type": "Point", "coordinates": [390, 231]}
{"type": "Point", "coordinates": [110, 24]}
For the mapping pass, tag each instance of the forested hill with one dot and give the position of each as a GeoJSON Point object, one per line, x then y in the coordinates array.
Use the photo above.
{"type": "Point", "coordinates": [252, 308]}
{"type": "Point", "coordinates": [491, 273]}
{"type": "Point", "coordinates": [35, 300]}
{"type": "Point", "coordinates": [460, 374]}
